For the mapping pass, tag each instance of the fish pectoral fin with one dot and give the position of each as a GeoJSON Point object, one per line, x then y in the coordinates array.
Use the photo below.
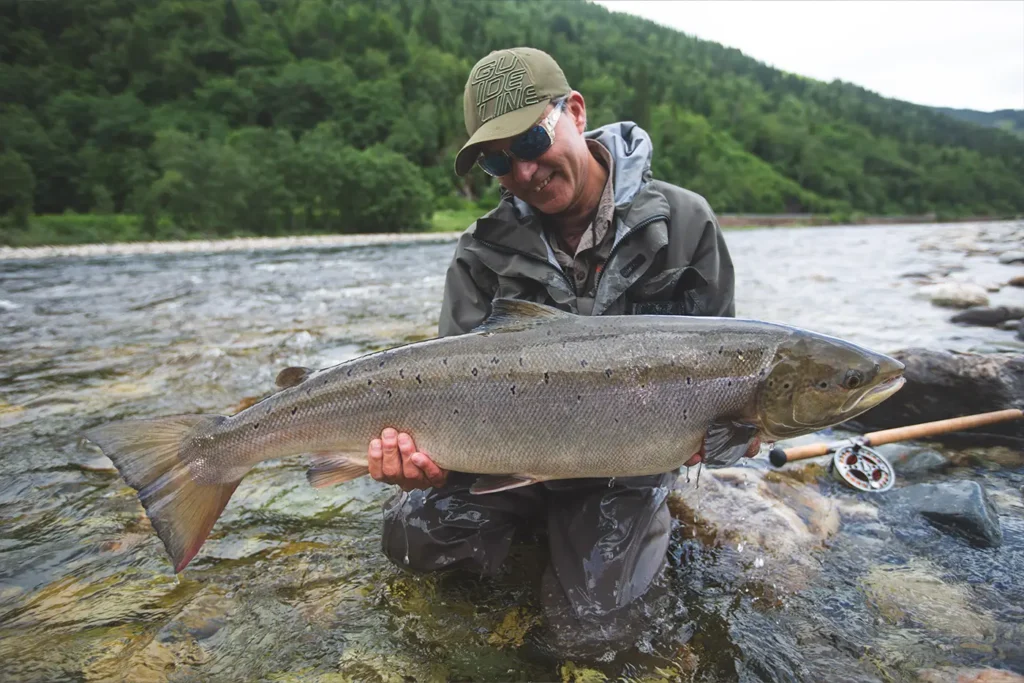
{"type": "Point", "coordinates": [726, 442]}
{"type": "Point", "coordinates": [330, 469]}
{"type": "Point", "coordinates": [511, 315]}
{"type": "Point", "coordinates": [492, 483]}
{"type": "Point", "coordinates": [292, 377]}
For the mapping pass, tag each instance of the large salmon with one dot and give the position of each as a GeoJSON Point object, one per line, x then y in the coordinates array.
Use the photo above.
{"type": "Point", "coordinates": [533, 394]}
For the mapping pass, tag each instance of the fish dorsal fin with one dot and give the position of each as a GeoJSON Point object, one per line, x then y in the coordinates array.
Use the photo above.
{"type": "Point", "coordinates": [292, 377]}
{"type": "Point", "coordinates": [510, 315]}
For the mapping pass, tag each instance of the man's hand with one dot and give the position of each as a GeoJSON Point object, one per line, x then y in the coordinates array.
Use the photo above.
{"type": "Point", "coordinates": [752, 450]}
{"type": "Point", "coordinates": [393, 459]}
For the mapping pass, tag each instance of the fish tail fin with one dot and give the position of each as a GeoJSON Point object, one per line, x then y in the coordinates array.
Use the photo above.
{"type": "Point", "coordinates": [150, 458]}
{"type": "Point", "coordinates": [330, 469]}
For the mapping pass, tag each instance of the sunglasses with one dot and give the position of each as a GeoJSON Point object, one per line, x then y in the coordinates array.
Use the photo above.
{"type": "Point", "coordinates": [525, 147]}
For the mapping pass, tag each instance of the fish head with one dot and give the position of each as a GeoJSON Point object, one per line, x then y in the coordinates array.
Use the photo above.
{"type": "Point", "coordinates": [816, 381]}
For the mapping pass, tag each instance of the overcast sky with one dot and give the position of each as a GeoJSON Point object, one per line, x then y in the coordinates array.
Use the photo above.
{"type": "Point", "coordinates": [967, 55]}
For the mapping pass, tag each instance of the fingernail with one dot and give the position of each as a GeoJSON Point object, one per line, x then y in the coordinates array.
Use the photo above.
{"type": "Point", "coordinates": [375, 446]}
{"type": "Point", "coordinates": [418, 460]}
{"type": "Point", "coordinates": [403, 439]}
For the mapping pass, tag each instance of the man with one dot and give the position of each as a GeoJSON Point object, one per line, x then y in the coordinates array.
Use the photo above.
{"type": "Point", "coordinates": [582, 226]}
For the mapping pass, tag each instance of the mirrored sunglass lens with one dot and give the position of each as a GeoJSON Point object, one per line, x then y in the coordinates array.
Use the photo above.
{"type": "Point", "coordinates": [495, 164]}
{"type": "Point", "coordinates": [531, 144]}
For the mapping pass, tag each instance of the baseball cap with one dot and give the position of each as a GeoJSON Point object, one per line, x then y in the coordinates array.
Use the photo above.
{"type": "Point", "coordinates": [506, 93]}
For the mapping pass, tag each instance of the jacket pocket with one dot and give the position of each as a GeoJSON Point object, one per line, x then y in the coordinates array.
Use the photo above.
{"type": "Point", "coordinates": [677, 291]}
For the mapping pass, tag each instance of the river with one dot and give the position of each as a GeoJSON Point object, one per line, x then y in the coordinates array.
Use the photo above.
{"type": "Point", "coordinates": [292, 586]}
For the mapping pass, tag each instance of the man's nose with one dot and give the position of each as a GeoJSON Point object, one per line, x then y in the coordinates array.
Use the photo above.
{"type": "Point", "coordinates": [523, 171]}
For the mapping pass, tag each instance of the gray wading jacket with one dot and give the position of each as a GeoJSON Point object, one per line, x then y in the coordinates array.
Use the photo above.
{"type": "Point", "coordinates": [668, 257]}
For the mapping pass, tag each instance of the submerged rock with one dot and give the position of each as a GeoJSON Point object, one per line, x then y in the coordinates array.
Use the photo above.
{"type": "Point", "coordinates": [914, 593]}
{"type": "Point", "coordinates": [945, 384]}
{"type": "Point", "coordinates": [988, 316]}
{"type": "Point", "coordinates": [1012, 257]}
{"type": "Point", "coordinates": [951, 675]}
{"type": "Point", "coordinates": [958, 507]}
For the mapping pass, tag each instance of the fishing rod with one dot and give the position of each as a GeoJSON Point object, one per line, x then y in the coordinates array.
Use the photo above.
{"type": "Point", "coordinates": [856, 464]}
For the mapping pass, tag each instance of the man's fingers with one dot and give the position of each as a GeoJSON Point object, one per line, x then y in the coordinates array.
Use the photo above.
{"type": "Point", "coordinates": [374, 457]}
{"type": "Point", "coordinates": [392, 462]}
{"type": "Point", "coordinates": [695, 459]}
{"type": "Point", "coordinates": [434, 474]}
{"type": "Point", "coordinates": [409, 469]}
{"type": "Point", "coordinates": [754, 448]}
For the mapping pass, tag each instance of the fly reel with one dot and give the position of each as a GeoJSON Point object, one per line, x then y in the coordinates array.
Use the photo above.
{"type": "Point", "coordinates": [866, 470]}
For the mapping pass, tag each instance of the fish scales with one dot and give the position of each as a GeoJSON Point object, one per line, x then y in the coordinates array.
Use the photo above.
{"type": "Point", "coordinates": [568, 399]}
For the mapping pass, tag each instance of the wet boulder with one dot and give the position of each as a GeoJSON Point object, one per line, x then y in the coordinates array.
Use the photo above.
{"type": "Point", "coordinates": [957, 295]}
{"type": "Point", "coordinates": [988, 316]}
{"type": "Point", "coordinates": [910, 460]}
{"type": "Point", "coordinates": [958, 507]}
{"type": "Point", "coordinates": [1017, 281]}
{"type": "Point", "coordinates": [945, 384]}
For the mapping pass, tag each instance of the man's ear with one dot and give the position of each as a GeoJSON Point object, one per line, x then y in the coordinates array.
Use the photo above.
{"type": "Point", "coordinates": [576, 106]}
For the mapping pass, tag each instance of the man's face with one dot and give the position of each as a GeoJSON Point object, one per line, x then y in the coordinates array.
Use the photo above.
{"type": "Point", "coordinates": [554, 181]}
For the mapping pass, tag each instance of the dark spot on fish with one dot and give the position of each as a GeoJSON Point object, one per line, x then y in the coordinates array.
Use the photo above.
{"type": "Point", "coordinates": [474, 372]}
{"type": "Point", "coordinates": [295, 410]}
{"type": "Point", "coordinates": [389, 393]}
{"type": "Point", "coordinates": [309, 391]}
{"type": "Point", "coordinates": [729, 383]}
{"type": "Point", "coordinates": [823, 385]}
{"type": "Point", "coordinates": [401, 373]}
{"type": "Point", "coordinates": [720, 349]}
{"type": "Point", "coordinates": [455, 412]}
{"type": "Point", "coordinates": [380, 364]}
{"type": "Point", "coordinates": [685, 413]}
{"type": "Point", "coordinates": [607, 372]}
{"type": "Point", "coordinates": [761, 374]}
{"type": "Point", "coordinates": [444, 362]}
{"type": "Point", "coordinates": [786, 385]}
{"type": "Point", "coordinates": [513, 389]}
{"type": "Point", "coordinates": [418, 380]}
{"type": "Point", "coordinates": [520, 361]}
{"type": "Point", "coordinates": [688, 381]}
{"type": "Point", "coordinates": [771, 382]}
{"type": "Point", "coordinates": [495, 360]}
{"type": "Point", "coordinates": [349, 373]}
{"type": "Point", "coordinates": [579, 399]}
{"type": "Point", "coordinates": [256, 426]}
{"type": "Point", "coordinates": [547, 378]}
{"type": "Point", "coordinates": [583, 363]}
{"type": "Point", "coordinates": [369, 382]}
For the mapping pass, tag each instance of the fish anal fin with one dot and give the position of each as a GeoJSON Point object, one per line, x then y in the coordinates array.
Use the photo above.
{"type": "Point", "coordinates": [726, 442]}
{"type": "Point", "coordinates": [492, 483]}
{"type": "Point", "coordinates": [330, 469]}
{"type": "Point", "coordinates": [292, 377]}
{"type": "Point", "coordinates": [510, 315]}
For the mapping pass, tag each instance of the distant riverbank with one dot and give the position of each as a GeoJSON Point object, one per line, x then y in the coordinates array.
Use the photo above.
{"type": "Point", "coordinates": [89, 235]}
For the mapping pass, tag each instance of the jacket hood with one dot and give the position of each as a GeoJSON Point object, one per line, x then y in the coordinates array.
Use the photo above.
{"type": "Point", "coordinates": [631, 147]}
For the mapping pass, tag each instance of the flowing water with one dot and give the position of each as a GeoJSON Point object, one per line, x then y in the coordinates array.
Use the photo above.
{"type": "Point", "coordinates": [292, 584]}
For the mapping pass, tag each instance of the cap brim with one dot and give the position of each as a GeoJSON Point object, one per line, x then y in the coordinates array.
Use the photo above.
{"type": "Point", "coordinates": [499, 128]}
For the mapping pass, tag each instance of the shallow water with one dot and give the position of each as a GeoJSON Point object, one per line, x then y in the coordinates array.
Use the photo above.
{"type": "Point", "coordinates": [292, 585]}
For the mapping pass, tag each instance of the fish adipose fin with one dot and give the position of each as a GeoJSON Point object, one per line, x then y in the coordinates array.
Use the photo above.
{"type": "Point", "coordinates": [147, 453]}
{"type": "Point", "coordinates": [726, 442]}
{"type": "Point", "coordinates": [492, 483]}
{"type": "Point", "coordinates": [511, 315]}
{"type": "Point", "coordinates": [330, 469]}
{"type": "Point", "coordinates": [292, 377]}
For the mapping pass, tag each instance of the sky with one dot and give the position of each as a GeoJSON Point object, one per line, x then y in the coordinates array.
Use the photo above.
{"type": "Point", "coordinates": [961, 54]}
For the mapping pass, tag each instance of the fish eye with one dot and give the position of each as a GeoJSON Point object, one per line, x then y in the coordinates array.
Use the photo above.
{"type": "Point", "coordinates": [823, 385]}
{"type": "Point", "coordinates": [853, 379]}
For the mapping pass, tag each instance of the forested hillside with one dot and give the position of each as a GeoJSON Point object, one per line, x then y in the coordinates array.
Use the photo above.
{"type": "Point", "coordinates": [217, 117]}
{"type": "Point", "coordinates": [1007, 119]}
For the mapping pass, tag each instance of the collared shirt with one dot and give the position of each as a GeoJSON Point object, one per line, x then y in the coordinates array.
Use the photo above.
{"type": "Point", "coordinates": [584, 267]}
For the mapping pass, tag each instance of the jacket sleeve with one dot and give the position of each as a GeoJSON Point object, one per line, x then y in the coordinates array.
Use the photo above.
{"type": "Point", "coordinates": [468, 292]}
{"type": "Point", "coordinates": [711, 258]}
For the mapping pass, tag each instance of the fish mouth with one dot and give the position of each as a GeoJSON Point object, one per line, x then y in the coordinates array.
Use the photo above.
{"type": "Point", "coordinates": [876, 394]}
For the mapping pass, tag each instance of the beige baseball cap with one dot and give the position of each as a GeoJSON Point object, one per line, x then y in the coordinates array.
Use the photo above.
{"type": "Point", "coordinates": [506, 93]}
